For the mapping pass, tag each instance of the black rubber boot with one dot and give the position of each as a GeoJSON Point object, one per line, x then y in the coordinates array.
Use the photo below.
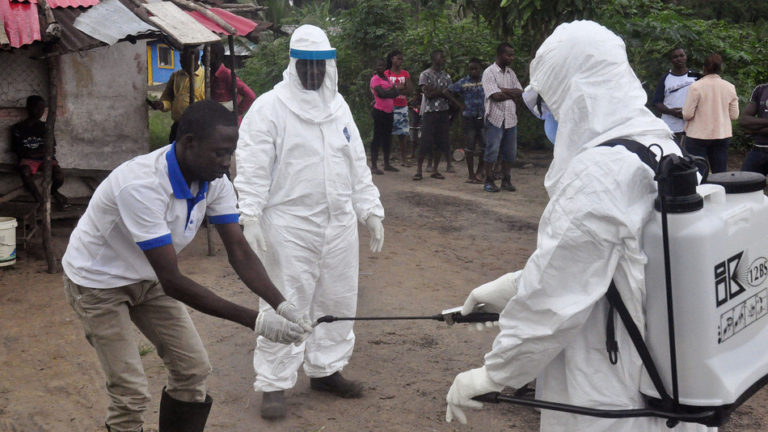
{"type": "Point", "coordinates": [273, 405]}
{"type": "Point", "coordinates": [506, 184]}
{"type": "Point", "coordinates": [179, 416]}
{"type": "Point", "coordinates": [338, 385]}
{"type": "Point", "coordinates": [110, 430]}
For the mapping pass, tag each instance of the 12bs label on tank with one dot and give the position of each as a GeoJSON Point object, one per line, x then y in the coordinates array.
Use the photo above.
{"type": "Point", "coordinates": [735, 280]}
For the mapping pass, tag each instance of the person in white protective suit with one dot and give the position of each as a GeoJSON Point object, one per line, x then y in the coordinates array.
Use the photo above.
{"type": "Point", "coordinates": [303, 184]}
{"type": "Point", "coordinates": [553, 312]}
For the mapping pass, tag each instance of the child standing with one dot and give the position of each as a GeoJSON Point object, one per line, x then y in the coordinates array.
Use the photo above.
{"type": "Point", "coordinates": [401, 79]}
{"type": "Point", "coordinates": [470, 88]}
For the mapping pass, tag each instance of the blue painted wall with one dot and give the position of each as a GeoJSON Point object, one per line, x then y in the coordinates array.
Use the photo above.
{"type": "Point", "coordinates": [155, 73]}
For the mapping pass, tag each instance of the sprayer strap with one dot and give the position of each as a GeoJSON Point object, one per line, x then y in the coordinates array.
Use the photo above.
{"type": "Point", "coordinates": [614, 299]}
{"type": "Point", "coordinates": [610, 337]}
{"type": "Point", "coordinates": [643, 152]}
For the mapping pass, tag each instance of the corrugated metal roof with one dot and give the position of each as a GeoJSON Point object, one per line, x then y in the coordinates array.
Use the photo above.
{"type": "Point", "coordinates": [22, 26]}
{"type": "Point", "coordinates": [182, 28]}
{"type": "Point", "coordinates": [72, 39]}
{"type": "Point", "coordinates": [122, 22]}
{"type": "Point", "coordinates": [243, 47]}
{"type": "Point", "coordinates": [242, 26]}
{"type": "Point", "coordinates": [72, 3]}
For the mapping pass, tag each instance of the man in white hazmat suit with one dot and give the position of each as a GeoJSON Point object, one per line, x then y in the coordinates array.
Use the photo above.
{"type": "Point", "coordinates": [554, 311]}
{"type": "Point", "coordinates": [303, 184]}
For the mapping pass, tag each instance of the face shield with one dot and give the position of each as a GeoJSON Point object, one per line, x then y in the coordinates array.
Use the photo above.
{"type": "Point", "coordinates": [309, 82]}
{"type": "Point", "coordinates": [311, 66]}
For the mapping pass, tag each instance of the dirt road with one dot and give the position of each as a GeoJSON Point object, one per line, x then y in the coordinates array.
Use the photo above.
{"type": "Point", "coordinates": [442, 239]}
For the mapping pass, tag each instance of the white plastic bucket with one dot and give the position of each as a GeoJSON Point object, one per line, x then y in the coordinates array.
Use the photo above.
{"type": "Point", "coordinates": [7, 241]}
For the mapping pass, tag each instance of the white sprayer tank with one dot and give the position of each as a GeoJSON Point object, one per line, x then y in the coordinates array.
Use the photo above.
{"type": "Point", "coordinates": [719, 272]}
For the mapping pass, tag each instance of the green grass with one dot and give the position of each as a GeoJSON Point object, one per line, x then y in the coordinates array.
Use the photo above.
{"type": "Point", "coordinates": [159, 127]}
{"type": "Point", "coordinates": [145, 349]}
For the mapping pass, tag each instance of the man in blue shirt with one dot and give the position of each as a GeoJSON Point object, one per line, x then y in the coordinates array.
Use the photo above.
{"type": "Point", "coordinates": [470, 88]}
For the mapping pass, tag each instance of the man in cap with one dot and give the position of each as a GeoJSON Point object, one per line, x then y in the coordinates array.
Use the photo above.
{"type": "Point", "coordinates": [554, 311]}
{"type": "Point", "coordinates": [303, 185]}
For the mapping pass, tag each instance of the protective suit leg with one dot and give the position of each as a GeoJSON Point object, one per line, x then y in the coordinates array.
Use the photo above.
{"type": "Point", "coordinates": [330, 346]}
{"type": "Point", "coordinates": [293, 266]}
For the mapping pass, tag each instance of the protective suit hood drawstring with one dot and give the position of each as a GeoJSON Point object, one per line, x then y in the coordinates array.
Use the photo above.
{"type": "Point", "coordinates": [317, 106]}
{"type": "Point", "coordinates": [582, 73]}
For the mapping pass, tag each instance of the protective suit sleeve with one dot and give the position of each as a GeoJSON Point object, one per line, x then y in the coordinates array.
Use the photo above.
{"type": "Point", "coordinates": [365, 195]}
{"type": "Point", "coordinates": [581, 237]}
{"type": "Point", "coordinates": [255, 156]}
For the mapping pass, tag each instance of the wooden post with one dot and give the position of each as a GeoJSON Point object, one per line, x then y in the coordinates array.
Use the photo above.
{"type": "Point", "coordinates": [191, 75]}
{"type": "Point", "coordinates": [207, 68]}
{"type": "Point", "coordinates": [231, 40]}
{"type": "Point", "coordinates": [208, 72]}
{"type": "Point", "coordinates": [208, 14]}
{"type": "Point", "coordinates": [50, 140]}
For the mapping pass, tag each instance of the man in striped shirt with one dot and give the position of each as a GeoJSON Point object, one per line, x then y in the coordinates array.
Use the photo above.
{"type": "Point", "coordinates": [502, 89]}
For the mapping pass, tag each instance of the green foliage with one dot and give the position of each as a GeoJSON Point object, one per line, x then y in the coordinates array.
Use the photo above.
{"type": "Point", "coordinates": [277, 12]}
{"type": "Point", "coordinates": [367, 29]}
{"type": "Point", "coordinates": [265, 69]}
{"type": "Point", "coordinates": [736, 11]}
{"type": "Point", "coordinates": [159, 128]}
{"type": "Point", "coordinates": [651, 29]}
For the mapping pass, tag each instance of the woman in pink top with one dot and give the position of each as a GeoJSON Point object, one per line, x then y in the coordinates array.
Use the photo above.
{"type": "Point", "coordinates": [709, 107]}
{"type": "Point", "coordinates": [384, 93]}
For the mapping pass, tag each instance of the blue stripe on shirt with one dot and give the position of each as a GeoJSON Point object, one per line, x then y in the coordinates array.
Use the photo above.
{"type": "Point", "coordinates": [155, 242]}
{"type": "Point", "coordinates": [224, 219]}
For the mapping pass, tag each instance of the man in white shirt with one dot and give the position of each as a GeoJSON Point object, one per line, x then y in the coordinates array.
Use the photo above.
{"type": "Point", "coordinates": [502, 90]}
{"type": "Point", "coordinates": [121, 267]}
{"type": "Point", "coordinates": [671, 91]}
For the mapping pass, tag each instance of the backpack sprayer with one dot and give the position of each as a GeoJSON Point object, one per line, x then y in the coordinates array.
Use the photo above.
{"type": "Point", "coordinates": [709, 242]}
{"type": "Point", "coordinates": [706, 297]}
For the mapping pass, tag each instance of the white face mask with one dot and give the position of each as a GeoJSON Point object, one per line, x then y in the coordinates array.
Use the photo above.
{"type": "Point", "coordinates": [541, 111]}
{"type": "Point", "coordinates": [550, 126]}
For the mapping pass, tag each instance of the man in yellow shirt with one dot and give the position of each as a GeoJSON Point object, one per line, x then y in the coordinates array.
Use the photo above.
{"type": "Point", "coordinates": [175, 97]}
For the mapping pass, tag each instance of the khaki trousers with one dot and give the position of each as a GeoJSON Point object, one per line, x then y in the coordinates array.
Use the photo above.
{"type": "Point", "coordinates": [106, 315]}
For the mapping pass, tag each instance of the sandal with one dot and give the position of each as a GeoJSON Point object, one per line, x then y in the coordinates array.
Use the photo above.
{"type": "Point", "coordinates": [473, 181]}
{"type": "Point", "coordinates": [438, 176]}
{"type": "Point", "coordinates": [417, 177]}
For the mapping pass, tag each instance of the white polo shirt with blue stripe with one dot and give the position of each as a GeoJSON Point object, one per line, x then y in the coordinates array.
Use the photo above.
{"type": "Point", "coordinates": [143, 204]}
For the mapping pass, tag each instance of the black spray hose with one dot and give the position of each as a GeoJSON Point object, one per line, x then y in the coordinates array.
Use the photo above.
{"type": "Point", "coordinates": [595, 412]}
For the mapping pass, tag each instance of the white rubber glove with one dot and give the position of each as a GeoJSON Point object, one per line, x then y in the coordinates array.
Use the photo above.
{"type": "Point", "coordinates": [288, 311]}
{"type": "Point", "coordinates": [253, 235]}
{"type": "Point", "coordinates": [278, 329]}
{"type": "Point", "coordinates": [474, 382]}
{"type": "Point", "coordinates": [494, 295]}
{"type": "Point", "coordinates": [377, 232]}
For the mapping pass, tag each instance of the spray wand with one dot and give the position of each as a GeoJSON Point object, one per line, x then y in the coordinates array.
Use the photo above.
{"type": "Point", "coordinates": [449, 316]}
